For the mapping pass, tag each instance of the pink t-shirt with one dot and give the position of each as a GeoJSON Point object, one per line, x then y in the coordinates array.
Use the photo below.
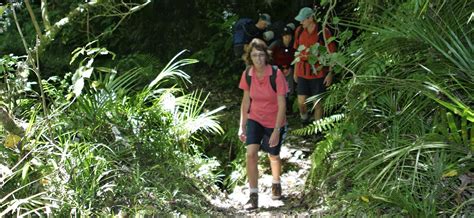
{"type": "Point", "coordinates": [264, 101]}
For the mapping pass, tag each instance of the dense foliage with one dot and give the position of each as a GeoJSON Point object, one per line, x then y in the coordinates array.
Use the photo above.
{"type": "Point", "coordinates": [406, 141]}
{"type": "Point", "coordinates": [96, 121]}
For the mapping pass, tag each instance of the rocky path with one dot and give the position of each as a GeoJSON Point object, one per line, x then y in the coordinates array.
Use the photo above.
{"type": "Point", "coordinates": [295, 168]}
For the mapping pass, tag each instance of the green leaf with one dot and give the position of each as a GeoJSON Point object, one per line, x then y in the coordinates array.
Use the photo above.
{"type": "Point", "coordinates": [93, 51]}
{"type": "Point", "coordinates": [337, 58]}
{"type": "Point", "coordinates": [464, 130]}
{"type": "Point", "coordinates": [453, 127]}
{"type": "Point", "coordinates": [88, 72]}
{"type": "Point", "coordinates": [90, 62]}
{"type": "Point", "coordinates": [344, 36]}
{"type": "Point", "coordinates": [2, 9]}
{"type": "Point", "coordinates": [312, 59]}
{"type": "Point", "coordinates": [76, 53]}
{"type": "Point", "coordinates": [335, 20]}
{"type": "Point", "coordinates": [78, 86]}
{"type": "Point", "coordinates": [77, 75]}
{"type": "Point", "coordinates": [332, 38]}
{"type": "Point", "coordinates": [24, 171]}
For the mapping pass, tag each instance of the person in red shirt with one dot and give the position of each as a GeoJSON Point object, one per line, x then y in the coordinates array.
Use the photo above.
{"type": "Point", "coordinates": [262, 117]}
{"type": "Point", "coordinates": [310, 81]}
{"type": "Point", "coordinates": [283, 54]}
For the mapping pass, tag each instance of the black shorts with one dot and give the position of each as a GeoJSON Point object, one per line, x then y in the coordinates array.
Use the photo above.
{"type": "Point", "coordinates": [258, 134]}
{"type": "Point", "coordinates": [310, 87]}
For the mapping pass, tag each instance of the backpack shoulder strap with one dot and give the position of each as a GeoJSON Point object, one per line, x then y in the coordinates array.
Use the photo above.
{"type": "Point", "coordinates": [247, 76]}
{"type": "Point", "coordinates": [273, 77]}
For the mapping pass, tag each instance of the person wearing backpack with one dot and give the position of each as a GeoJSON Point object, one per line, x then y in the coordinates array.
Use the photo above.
{"type": "Point", "coordinates": [283, 54]}
{"type": "Point", "coordinates": [310, 80]}
{"type": "Point", "coordinates": [262, 116]}
{"type": "Point", "coordinates": [245, 29]}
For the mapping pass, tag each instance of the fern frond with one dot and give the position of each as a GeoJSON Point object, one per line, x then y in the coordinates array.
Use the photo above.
{"type": "Point", "coordinates": [319, 125]}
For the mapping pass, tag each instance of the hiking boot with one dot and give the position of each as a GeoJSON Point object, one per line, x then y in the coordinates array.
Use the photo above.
{"type": "Point", "coordinates": [276, 191]}
{"type": "Point", "coordinates": [252, 203]}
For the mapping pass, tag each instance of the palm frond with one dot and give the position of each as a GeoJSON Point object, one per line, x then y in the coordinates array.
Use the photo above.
{"type": "Point", "coordinates": [171, 70]}
{"type": "Point", "coordinates": [457, 107]}
{"type": "Point", "coordinates": [112, 82]}
{"type": "Point", "coordinates": [192, 116]}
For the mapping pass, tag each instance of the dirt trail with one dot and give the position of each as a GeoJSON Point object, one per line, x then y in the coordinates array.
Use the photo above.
{"type": "Point", "coordinates": [295, 168]}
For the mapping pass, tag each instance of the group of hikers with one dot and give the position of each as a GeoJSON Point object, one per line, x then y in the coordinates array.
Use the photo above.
{"type": "Point", "coordinates": [268, 78]}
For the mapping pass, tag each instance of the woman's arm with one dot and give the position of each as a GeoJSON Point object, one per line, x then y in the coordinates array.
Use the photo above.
{"type": "Point", "coordinates": [275, 137]}
{"type": "Point", "coordinates": [244, 109]}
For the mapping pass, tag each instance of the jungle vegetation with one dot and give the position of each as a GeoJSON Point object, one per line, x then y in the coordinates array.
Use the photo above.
{"type": "Point", "coordinates": [100, 114]}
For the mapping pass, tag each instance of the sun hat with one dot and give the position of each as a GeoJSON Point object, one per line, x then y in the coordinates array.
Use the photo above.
{"type": "Point", "coordinates": [304, 14]}
{"type": "Point", "coordinates": [266, 17]}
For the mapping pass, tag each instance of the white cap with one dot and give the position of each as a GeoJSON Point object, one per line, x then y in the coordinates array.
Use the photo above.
{"type": "Point", "coordinates": [291, 26]}
{"type": "Point", "coordinates": [268, 35]}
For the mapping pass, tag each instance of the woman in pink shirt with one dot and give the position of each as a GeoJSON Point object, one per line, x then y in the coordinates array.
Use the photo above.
{"type": "Point", "coordinates": [262, 116]}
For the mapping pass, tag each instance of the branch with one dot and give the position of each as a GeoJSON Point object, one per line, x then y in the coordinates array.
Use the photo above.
{"type": "Point", "coordinates": [55, 28]}
{"type": "Point", "coordinates": [33, 19]}
{"type": "Point", "coordinates": [7, 121]}
{"type": "Point", "coordinates": [31, 61]}
{"type": "Point", "coordinates": [131, 10]}
{"type": "Point", "coordinates": [44, 14]}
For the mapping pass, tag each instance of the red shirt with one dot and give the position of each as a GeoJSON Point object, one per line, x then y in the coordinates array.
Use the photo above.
{"type": "Point", "coordinates": [264, 103]}
{"type": "Point", "coordinates": [283, 56]}
{"type": "Point", "coordinates": [303, 68]}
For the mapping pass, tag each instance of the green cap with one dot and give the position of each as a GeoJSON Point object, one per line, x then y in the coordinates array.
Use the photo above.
{"type": "Point", "coordinates": [266, 17]}
{"type": "Point", "coordinates": [304, 14]}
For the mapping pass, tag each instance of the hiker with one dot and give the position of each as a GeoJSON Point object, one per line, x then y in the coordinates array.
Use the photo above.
{"type": "Point", "coordinates": [262, 116]}
{"type": "Point", "coordinates": [310, 81]}
{"type": "Point", "coordinates": [245, 29]}
{"type": "Point", "coordinates": [283, 54]}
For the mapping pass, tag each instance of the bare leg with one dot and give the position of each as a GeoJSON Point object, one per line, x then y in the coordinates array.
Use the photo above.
{"type": "Point", "coordinates": [318, 111]}
{"type": "Point", "coordinates": [252, 170]}
{"type": "Point", "coordinates": [302, 106]}
{"type": "Point", "coordinates": [275, 164]}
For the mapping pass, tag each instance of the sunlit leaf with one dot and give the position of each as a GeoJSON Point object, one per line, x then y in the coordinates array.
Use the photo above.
{"type": "Point", "coordinates": [2, 9]}
{"type": "Point", "coordinates": [332, 38]}
{"type": "Point", "coordinates": [364, 198]}
{"type": "Point", "coordinates": [12, 140]}
{"type": "Point", "coordinates": [87, 72]}
{"type": "Point", "coordinates": [90, 62]}
{"type": "Point", "coordinates": [24, 170]}
{"type": "Point", "coordinates": [450, 173]}
{"type": "Point", "coordinates": [78, 86]}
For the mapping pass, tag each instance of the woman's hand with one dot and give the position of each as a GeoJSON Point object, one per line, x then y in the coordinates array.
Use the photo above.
{"type": "Point", "coordinates": [274, 138]}
{"type": "Point", "coordinates": [242, 134]}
